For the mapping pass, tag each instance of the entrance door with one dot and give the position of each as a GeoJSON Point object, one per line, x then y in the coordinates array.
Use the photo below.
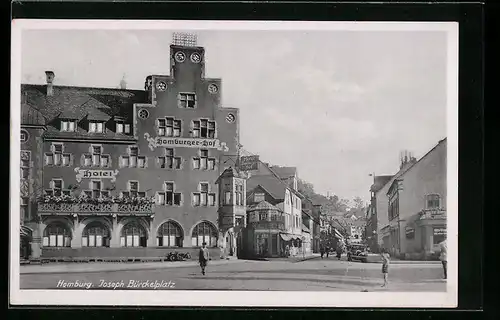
{"type": "Point", "coordinates": [274, 244]}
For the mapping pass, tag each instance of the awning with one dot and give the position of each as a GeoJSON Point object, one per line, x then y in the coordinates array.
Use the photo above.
{"type": "Point", "coordinates": [26, 232]}
{"type": "Point", "coordinates": [286, 237]}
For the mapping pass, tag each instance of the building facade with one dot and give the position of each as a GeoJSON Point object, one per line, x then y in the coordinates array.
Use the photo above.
{"type": "Point", "coordinates": [416, 207]}
{"type": "Point", "coordinates": [117, 168]}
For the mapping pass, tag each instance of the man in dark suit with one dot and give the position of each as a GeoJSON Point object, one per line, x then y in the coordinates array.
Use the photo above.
{"type": "Point", "coordinates": [203, 257]}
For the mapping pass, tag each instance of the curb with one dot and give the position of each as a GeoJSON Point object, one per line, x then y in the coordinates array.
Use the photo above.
{"type": "Point", "coordinates": [136, 267]}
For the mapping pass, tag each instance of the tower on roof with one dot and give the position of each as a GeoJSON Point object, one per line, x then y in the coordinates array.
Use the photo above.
{"type": "Point", "coordinates": [184, 39]}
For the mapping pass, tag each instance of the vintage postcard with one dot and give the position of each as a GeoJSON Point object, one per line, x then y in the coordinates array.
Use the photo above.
{"type": "Point", "coordinates": [209, 163]}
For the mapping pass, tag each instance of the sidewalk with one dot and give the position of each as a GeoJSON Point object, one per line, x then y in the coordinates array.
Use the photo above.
{"type": "Point", "coordinates": [110, 267]}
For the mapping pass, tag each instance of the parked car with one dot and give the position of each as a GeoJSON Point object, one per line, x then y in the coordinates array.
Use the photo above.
{"type": "Point", "coordinates": [356, 252]}
{"type": "Point", "coordinates": [361, 252]}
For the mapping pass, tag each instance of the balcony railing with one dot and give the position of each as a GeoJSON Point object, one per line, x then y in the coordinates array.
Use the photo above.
{"type": "Point", "coordinates": [82, 208]}
{"type": "Point", "coordinates": [434, 213]}
{"type": "Point", "coordinates": [266, 224]}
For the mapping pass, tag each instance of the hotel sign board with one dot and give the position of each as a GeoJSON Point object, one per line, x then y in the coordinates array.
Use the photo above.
{"type": "Point", "coordinates": [439, 231]}
{"type": "Point", "coordinates": [173, 142]}
{"type": "Point", "coordinates": [249, 163]}
{"type": "Point", "coordinates": [95, 174]}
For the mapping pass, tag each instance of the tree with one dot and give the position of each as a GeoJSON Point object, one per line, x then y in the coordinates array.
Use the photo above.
{"type": "Point", "coordinates": [358, 203]}
{"type": "Point", "coordinates": [306, 188]}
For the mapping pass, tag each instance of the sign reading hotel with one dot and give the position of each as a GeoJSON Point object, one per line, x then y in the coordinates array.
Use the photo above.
{"type": "Point", "coordinates": [249, 163]}
{"type": "Point", "coordinates": [95, 174]}
{"type": "Point", "coordinates": [439, 231]}
{"type": "Point", "coordinates": [185, 142]}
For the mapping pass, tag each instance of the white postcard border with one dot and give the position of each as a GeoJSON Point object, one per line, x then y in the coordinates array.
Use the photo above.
{"type": "Point", "coordinates": [237, 298]}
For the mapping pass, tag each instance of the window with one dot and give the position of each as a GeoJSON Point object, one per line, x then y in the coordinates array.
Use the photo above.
{"type": "Point", "coordinates": [122, 127]}
{"type": "Point", "coordinates": [439, 235]}
{"type": "Point", "coordinates": [394, 207]}
{"type": "Point", "coordinates": [187, 100]}
{"type": "Point", "coordinates": [262, 216]}
{"type": "Point", "coordinates": [169, 197]}
{"type": "Point", "coordinates": [57, 186]}
{"type": "Point", "coordinates": [203, 128]}
{"type": "Point", "coordinates": [95, 234]}
{"type": "Point", "coordinates": [169, 127]}
{"type": "Point", "coordinates": [133, 190]}
{"type": "Point", "coordinates": [57, 157]}
{"type": "Point", "coordinates": [24, 208]}
{"type": "Point", "coordinates": [68, 125]}
{"type": "Point", "coordinates": [203, 162]}
{"type": "Point", "coordinates": [133, 159]}
{"type": "Point", "coordinates": [24, 136]}
{"type": "Point", "coordinates": [96, 126]}
{"type": "Point", "coordinates": [133, 235]}
{"type": "Point", "coordinates": [204, 197]}
{"type": "Point", "coordinates": [96, 188]}
{"type": "Point", "coordinates": [227, 198]}
{"type": "Point", "coordinates": [169, 235]}
{"type": "Point", "coordinates": [96, 158]}
{"type": "Point", "coordinates": [204, 232]}
{"type": "Point", "coordinates": [169, 161]}
{"type": "Point", "coordinates": [25, 169]}
{"type": "Point", "coordinates": [433, 201]}
{"type": "Point", "coordinates": [56, 235]}
{"type": "Point", "coordinates": [239, 195]}
{"type": "Point", "coordinates": [258, 197]}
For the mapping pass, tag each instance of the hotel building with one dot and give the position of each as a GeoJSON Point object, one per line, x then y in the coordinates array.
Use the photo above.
{"type": "Point", "coordinates": [105, 168]}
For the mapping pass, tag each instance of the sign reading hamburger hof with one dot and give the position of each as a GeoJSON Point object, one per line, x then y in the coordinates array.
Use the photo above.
{"type": "Point", "coordinates": [185, 142]}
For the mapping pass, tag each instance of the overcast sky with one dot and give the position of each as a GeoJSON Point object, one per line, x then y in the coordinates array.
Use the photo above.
{"type": "Point", "coordinates": [337, 105]}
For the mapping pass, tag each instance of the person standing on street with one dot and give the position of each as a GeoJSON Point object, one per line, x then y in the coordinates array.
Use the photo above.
{"type": "Point", "coordinates": [321, 251]}
{"type": "Point", "coordinates": [443, 257]}
{"type": "Point", "coordinates": [327, 250]}
{"type": "Point", "coordinates": [386, 259]}
{"type": "Point", "coordinates": [338, 250]}
{"type": "Point", "coordinates": [203, 257]}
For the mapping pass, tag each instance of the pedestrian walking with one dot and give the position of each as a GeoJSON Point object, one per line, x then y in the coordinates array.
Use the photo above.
{"type": "Point", "coordinates": [327, 251]}
{"type": "Point", "coordinates": [386, 259]}
{"type": "Point", "coordinates": [443, 257]}
{"type": "Point", "coordinates": [321, 251]}
{"type": "Point", "coordinates": [339, 251]}
{"type": "Point", "coordinates": [203, 257]}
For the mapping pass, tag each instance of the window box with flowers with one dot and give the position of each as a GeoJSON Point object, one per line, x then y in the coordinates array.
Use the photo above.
{"type": "Point", "coordinates": [84, 203]}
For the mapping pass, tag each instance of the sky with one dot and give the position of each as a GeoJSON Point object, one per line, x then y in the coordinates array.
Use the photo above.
{"type": "Point", "coordinates": [338, 105]}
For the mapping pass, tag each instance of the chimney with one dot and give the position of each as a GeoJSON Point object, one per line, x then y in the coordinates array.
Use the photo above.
{"type": "Point", "coordinates": [148, 87]}
{"type": "Point", "coordinates": [50, 79]}
{"type": "Point", "coordinates": [407, 159]}
{"type": "Point", "coordinates": [123, 83]}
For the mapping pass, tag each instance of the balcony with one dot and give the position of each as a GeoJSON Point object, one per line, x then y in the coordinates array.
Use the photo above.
{"type": "Point", "coordinates": [268, 225]}
{"type": "Point", "coordinates": [432, 214]}
{"type": "Point", "coordinates": [70, 206]}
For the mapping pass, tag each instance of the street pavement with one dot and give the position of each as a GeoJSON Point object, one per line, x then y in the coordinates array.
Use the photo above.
{"type": "Point", "coordinates": [310, 275]}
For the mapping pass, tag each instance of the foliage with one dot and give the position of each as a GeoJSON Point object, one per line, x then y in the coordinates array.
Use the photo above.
{"type": "Point", "coordinates": [83, 198]}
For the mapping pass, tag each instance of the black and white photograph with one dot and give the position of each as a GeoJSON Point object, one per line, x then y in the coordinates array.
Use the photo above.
{"type": "Point", "coordinates": [235, 163]}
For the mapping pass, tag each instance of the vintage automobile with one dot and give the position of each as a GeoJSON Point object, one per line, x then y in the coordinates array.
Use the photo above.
{"type": "Point", "coordinates": [357, 252]}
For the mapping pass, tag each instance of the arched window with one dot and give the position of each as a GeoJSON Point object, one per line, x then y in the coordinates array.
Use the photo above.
{"type": "Point", "coordinates": [204, 232]}
{"type": "Point", "coordinates": [169, 235]}
{"type": "Point", "coordinates": [133, 235]}
{"type": "Point", "coordinates": [56, 235]}
{"type": "Point", "coordinates": [95, 234]}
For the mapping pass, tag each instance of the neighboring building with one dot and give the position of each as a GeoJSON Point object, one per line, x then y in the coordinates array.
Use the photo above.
{"type": "Point", "coordinates": [265, 184]}
{"type": "Point", "coordinates": [287, 175]}
{"type": "Point", "coordinates": [355, 230]}
{"type": "Point", "coordinates": [265, 224]}
{"type": "Point", "coordinates": [416, 206]}
{"type": "Point", "coordinates": [313, 210]}
{"type": "Point", "coordinates": [120, 168]}
{"type": "Point", "coordinates": [372, 235]}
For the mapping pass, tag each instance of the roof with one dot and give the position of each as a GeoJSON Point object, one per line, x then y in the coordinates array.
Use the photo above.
{"type": "Point", "coordinates": [284, 172]}
{"type": "Point", "coordinates": [270, 184]}
{"type": "Point", "coordinates": [228, 173]}
{"type": "Point", "coordinates": [80, 103]}
{"type": "Point", "coordinates": [380, 182]}
{"type": "Point", "coordinates": [263, 205]}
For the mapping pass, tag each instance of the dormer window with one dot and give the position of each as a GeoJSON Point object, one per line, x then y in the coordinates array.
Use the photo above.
{"type": "Point", "coordinates": [121, 127]}
{"type": "Point", "coordinates": [68, 125]}
{"type": "Point", "coordinates": [96, 126]}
